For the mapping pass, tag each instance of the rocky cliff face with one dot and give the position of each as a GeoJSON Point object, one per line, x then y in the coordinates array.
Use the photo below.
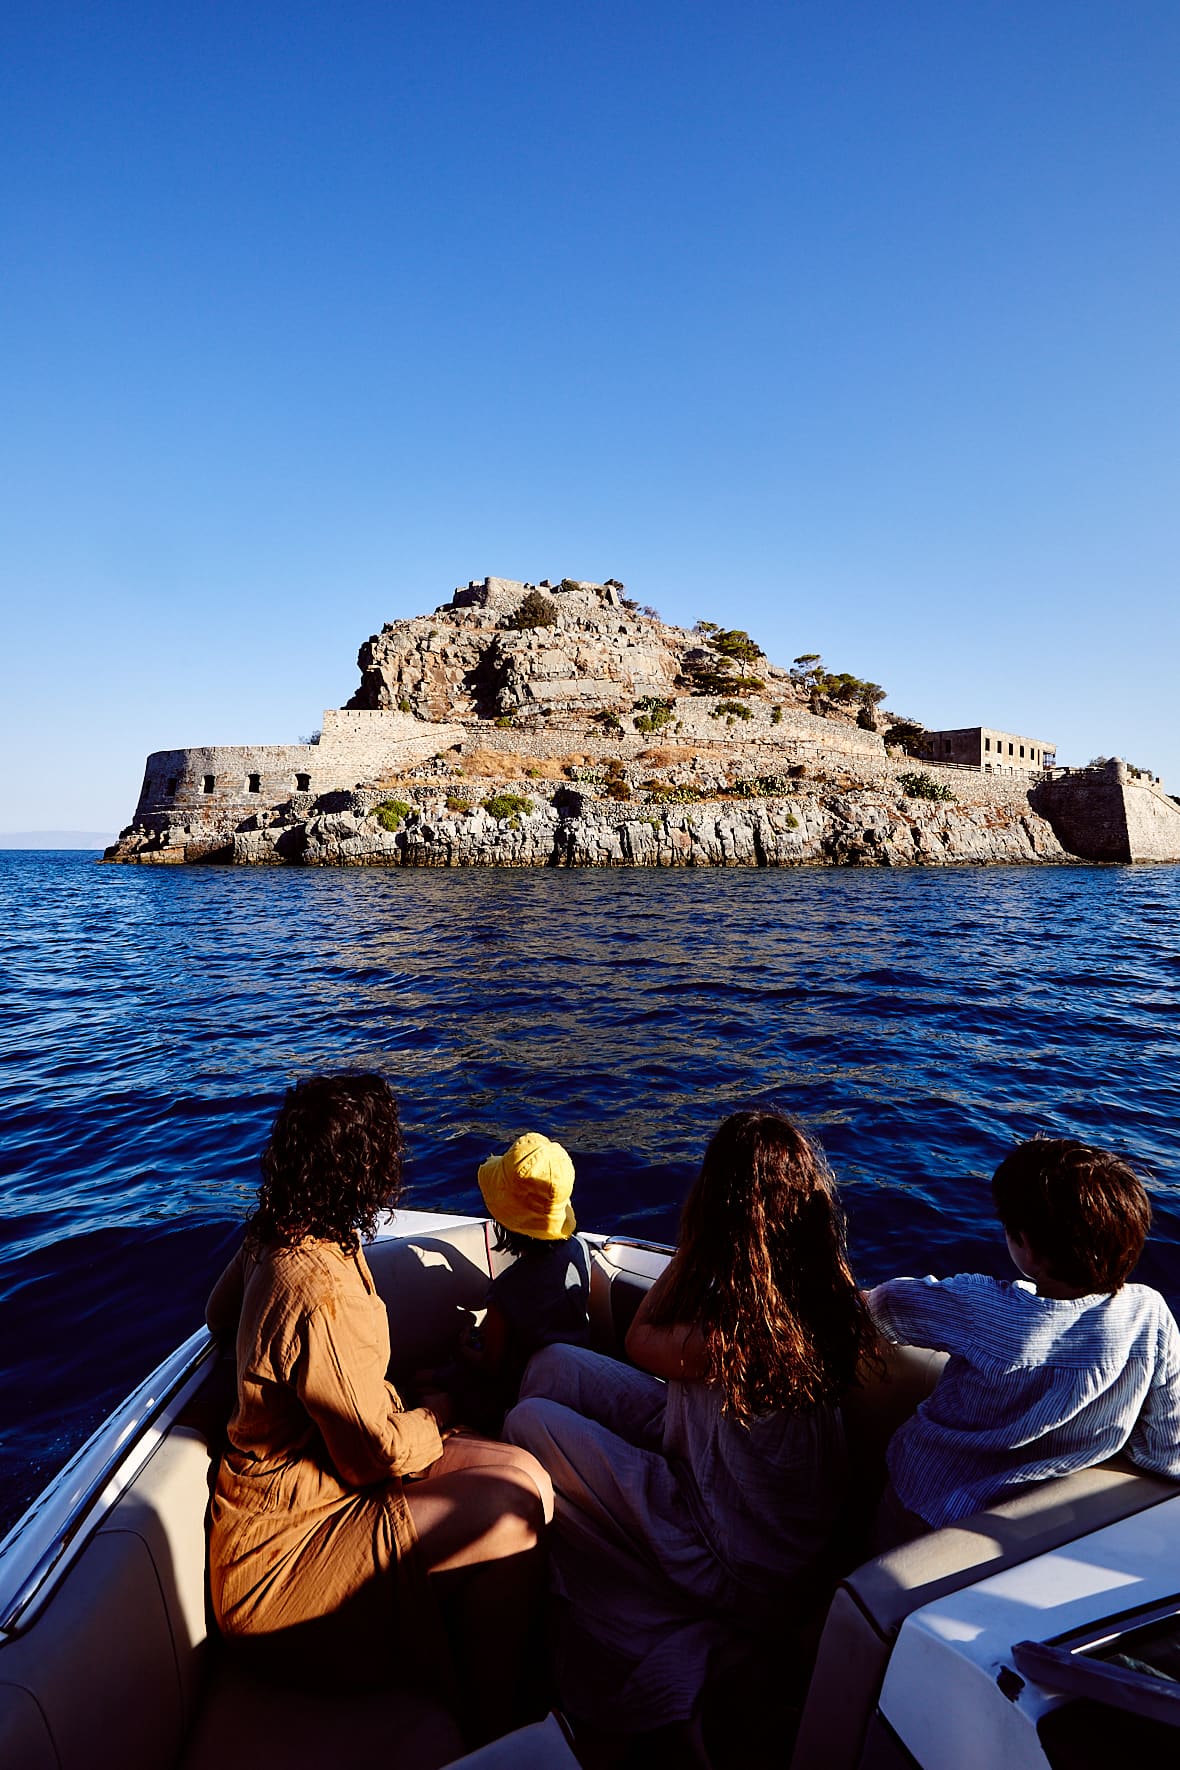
{"type": "Point", "coordinates": [560, 725]}
{"type": "Point", "coordinates": [468, 660]}
{"type": "Point", "coordinates": [577, 828]}
{"type": "Point", "coordinates": [798, 832]}
{"type": "Point", "coordinates": [555, 654]}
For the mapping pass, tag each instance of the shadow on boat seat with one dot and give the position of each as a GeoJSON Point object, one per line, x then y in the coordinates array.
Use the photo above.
{"type": "Point", "coordinates": [429, 1286]}
{"type": "Point", "coordinates": [621, 1274]}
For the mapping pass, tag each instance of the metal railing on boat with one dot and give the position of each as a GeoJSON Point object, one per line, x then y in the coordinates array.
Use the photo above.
{"type": "Point", "coordinates": [94, 1474]}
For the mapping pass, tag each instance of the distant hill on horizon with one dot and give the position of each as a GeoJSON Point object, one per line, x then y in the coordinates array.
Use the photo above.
{"type": "Point", "coordinates": [55, 838]}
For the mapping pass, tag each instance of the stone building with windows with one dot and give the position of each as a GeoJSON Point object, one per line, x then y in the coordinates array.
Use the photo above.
{"type": "Point", "coordinates": [995, 752]}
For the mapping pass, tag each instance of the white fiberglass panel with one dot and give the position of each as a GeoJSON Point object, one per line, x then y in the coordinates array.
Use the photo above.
{"type": "Point", "coordinates": [944, 1691]}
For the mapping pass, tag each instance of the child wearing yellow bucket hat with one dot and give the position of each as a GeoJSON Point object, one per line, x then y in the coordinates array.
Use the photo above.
{"type": "Point", "coordinates": [540, 1299]}
{"type": "Point", "coordinates": [527, 1189]}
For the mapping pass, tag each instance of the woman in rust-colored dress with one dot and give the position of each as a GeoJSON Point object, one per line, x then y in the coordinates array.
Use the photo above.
{"type": "Point", "coordinates": [344, 1526]}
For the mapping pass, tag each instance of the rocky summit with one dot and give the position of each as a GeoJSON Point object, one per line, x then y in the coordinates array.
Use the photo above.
{"type": "Point", "coordinates": [561, 724]}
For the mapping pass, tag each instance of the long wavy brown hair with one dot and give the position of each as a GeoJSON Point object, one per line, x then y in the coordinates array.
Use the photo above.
{"type": "Point", "coordinates": [763, 1271]}
{"type": "Point", "coordinates": [332, 1165]}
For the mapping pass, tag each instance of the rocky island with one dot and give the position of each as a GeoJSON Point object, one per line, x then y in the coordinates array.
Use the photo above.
{"type": "Point", "coordinates": [564, 725]}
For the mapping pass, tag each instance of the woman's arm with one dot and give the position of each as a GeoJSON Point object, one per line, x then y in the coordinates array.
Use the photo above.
{"type": "Point", "coordinates": [340, 1379]}
{"type": "Point", "coordinates": [224, 1307]}
{"type": "Point", "coordinates": [674, 1350]}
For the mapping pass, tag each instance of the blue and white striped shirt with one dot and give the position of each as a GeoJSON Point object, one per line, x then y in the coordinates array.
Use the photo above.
{"type": "Point", "coordinates": [1035, 1386]}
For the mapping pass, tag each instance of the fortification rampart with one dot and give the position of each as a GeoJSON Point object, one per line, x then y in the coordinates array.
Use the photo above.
{"type": "Point", "coordinates": [212, 777]}
{"type": "Point", "coordinates": [1109, 814]}
{"type": "Point", "coordinates": [216, 782]}
{"type": "Point", "coordinates": [503, 595]}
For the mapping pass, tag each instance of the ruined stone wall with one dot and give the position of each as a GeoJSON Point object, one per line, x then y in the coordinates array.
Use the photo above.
{"type": "Point", "coordinates": [360, 746]}
{"type": "Point", "coordinates": [1088, 812]}
{"type": "Point", "coordinates": [969, 785]}
{"type": "Point", "coordinates": [212, 778]}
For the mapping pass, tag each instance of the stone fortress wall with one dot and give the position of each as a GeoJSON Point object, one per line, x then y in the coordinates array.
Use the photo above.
{"type": "Point", "coordinates": [216, 781]}
{"type": "Point", "coordinates": [1110, 814]}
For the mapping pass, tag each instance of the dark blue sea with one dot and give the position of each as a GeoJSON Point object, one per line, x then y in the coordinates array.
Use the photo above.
{"type": "Point", "coordinates": [919, 1022]}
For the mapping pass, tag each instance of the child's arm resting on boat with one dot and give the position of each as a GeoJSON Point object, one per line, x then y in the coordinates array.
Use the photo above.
{"type": "Point", "coordinates": [340, 1379]}
{"type": "Point", "coordinates": [675, 1350]}
{"type": "Point", "coordinates": [922, 1311]}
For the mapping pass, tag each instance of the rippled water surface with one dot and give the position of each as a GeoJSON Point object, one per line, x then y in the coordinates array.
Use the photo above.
{"type": "Point", "coordinates": [919, 1021]}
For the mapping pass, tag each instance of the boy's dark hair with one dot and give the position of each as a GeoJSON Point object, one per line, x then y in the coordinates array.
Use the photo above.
{"type": "Point", "coordinates": [1081, 1209]}
{"type": "Point", "coordinates": [513, 1241]}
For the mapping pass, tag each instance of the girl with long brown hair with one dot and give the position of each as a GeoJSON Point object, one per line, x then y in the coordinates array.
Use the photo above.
{"type": "Point", "coordinates": [696, 1496]}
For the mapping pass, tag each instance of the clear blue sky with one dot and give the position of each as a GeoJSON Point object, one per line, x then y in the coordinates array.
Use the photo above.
{"type": "Point", "coordinates": [854, 324]}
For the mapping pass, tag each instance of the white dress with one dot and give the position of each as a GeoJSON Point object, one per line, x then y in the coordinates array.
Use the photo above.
{"type": "Point", "coordinates": [677, 1530]}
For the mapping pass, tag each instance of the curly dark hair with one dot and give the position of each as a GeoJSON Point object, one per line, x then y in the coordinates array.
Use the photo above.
{"type": "Point", "coordinates": [333, 1163]}
{"type": "Point", "coordinates": [763, 1271]}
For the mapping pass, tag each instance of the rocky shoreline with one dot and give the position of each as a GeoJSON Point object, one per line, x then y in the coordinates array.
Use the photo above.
{"type": "Point", "coordinates": [805, 829]}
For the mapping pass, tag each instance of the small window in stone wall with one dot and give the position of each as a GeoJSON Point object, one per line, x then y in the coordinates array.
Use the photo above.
{"type": "Point", "coordinates": [987, 743]}
{"type": "Point", "coordinates": [1010, 749]}
{"type": "Point", "coordinates": [1022, 749]}
{"type": "Point", "coordinates": [254, 783]}
{"type": "Point", "coordinates": [303, 783]}
{"type": "Point", "coordinates": [208, 784]}
{"type": "Point", "coordinates": [173, 783]}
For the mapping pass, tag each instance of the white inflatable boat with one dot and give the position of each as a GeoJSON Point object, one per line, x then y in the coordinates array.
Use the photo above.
{"type": "Point", "coordinates": [1043, 1633]}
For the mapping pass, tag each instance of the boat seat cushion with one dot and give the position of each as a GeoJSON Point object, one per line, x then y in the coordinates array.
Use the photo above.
{"type": "Point", "coordinates": [427, 1285]}
{"type": "Point", "coordinates": [98, 1665]}
{"type": "Point", "coordinates": [24, 1732]}
{"type": "Point", "coordinates": [871, 1604]}
{"type": "Point", "coordinates": [117, 1671]}
{"type": "Point", "coordinates": [243, 1721]}
{"type": "Point", "coordinates": [1031, 1523]}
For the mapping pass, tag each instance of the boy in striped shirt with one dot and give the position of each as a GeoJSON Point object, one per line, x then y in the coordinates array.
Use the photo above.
{"type": "Point", "coordinates": [1054, 1372]}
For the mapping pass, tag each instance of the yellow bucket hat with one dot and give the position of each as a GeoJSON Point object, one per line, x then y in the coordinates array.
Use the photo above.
{"type": "Point", "coordinates": [527, 1189]}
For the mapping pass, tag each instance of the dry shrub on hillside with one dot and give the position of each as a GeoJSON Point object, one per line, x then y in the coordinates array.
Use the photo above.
{"type": "Point", "coordinates": [492, 765]}
{"type": "Point", "coordinates": [506, 766]}
{"type": "Point", "coordinates": [666, 755]}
